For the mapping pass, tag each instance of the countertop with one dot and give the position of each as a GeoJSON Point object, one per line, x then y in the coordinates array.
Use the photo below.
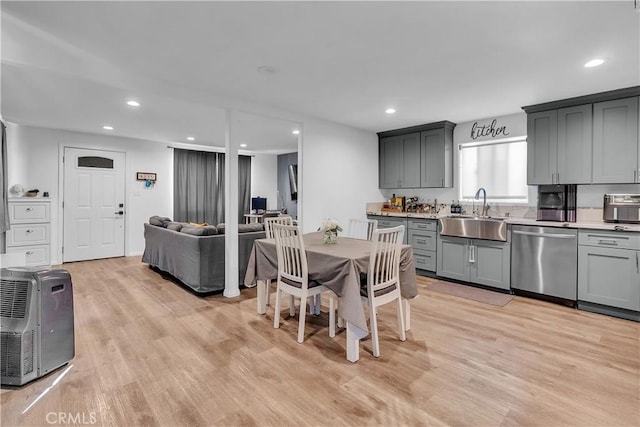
{"type": "Point", "coordinates": [598, 225]}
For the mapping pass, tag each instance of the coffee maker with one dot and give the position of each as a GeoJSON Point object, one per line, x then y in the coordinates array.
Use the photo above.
{"type": "Point", "coordinates": [557, 203]}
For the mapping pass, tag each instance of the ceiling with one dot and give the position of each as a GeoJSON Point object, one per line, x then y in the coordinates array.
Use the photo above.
{"type": "Point", "coordinates": [72, 65]}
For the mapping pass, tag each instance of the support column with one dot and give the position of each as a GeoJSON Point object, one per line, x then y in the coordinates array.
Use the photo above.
{"type": "Point", "coordinates": [231, 287]}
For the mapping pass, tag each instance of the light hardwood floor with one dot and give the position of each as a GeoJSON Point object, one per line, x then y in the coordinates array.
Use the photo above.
{"type": "Point", "coordinates": [150, 353]}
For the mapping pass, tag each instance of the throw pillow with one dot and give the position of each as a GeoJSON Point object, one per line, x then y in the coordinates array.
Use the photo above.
{"type": "Point", "coordinates": [159, 221]}
{"type": "Point", "coordinates": [175, 226]}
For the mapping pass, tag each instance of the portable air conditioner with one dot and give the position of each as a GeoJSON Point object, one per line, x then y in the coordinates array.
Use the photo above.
{"type": "Point", "coordinates": [36, 322]}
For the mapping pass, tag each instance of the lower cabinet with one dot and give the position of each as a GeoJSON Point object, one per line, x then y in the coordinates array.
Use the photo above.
{"type": "Point", "coordinates": [609, 269]}
{"type": "Point", "coordinates": [422, 237]}
{"type": "Point", "coordinates": [485, 262]}
{"type": "Point", "coordinates": [391, 221]}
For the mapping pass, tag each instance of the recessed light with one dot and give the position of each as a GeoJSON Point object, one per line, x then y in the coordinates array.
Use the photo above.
{"type": "Point", "coordinates": [296, 132]}
{"type": "Point", "coordinates": [107, 127]}
{"type": "Point", "coordinates": [390, 110]}
{"type": "Point", "coordinates": [594, 63]}
{"type": "Point", "coordinates": [243, 145]}
{"type": "Point", "coordinates": [133, 103]}
{"type": "Point", "coordinates": [190, 138]}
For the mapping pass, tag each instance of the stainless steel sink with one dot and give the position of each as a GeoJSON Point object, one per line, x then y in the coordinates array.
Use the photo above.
{"type": "Point", "coordinates": [474, 227]}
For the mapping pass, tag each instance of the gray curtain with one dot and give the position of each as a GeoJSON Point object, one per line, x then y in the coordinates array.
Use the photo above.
{"type": "Point", "coordinates": [244, 187]}
{"type": "Point", "coordinates": [198, 189]}
{"type": "Point", "coordinates": [4, 196]}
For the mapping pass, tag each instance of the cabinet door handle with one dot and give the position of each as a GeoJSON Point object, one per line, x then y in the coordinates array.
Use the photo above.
{"type": "Point", "coordinates": [29, 230]}
{"type": "Point", "coordinates": [29, 209]}
{"type": "Point", "coordinates": [441, 182]}
{"type": "Point", "coordinates": [29, 253]}
{"type": "Point", "coordinates": [607, 242]}
{"type": "Point", "coordinates": [637, 266]}
{"type": "Point", "coordinates": [472, 254]}
{"type": "Point", "coordinates": [635, 175]}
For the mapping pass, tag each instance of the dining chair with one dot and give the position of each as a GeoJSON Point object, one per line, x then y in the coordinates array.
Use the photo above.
{"type": "Point", "coordinates": [269, 221]}
{"type": "Point", "coordinates": [293, 278]}
{"type": "Point", "coordinates": [383, 279]}
{"type": "Point", "coordinates": [362, 228]}
{"type": "Point", "coordinates": [268, 230]}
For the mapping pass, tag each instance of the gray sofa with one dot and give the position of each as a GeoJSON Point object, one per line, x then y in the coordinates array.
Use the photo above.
{"type": "Point", "coordinates": [196, 260]}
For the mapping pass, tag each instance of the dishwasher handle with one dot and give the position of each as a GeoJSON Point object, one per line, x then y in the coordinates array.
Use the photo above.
{"type": "Point", "coordinates": [555, 236]}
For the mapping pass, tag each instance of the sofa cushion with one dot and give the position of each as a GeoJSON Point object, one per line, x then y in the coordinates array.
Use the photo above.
{"type": "Point", "coordinates": [249, 228]}
{"type": "Point", "coordinates": [199, 231]}
{"type": "Point", "coordinates": [175, 226]}
{"type": "Point", "coordinates": [242, 228]}
{"type": "Point", "coordinates": [160, 221]}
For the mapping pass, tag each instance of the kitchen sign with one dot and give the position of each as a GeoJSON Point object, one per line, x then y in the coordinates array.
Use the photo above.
{"type": "Point", "coordinates": [491, 130]}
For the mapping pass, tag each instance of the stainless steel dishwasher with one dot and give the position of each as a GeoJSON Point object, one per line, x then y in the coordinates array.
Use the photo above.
{"type": "Point", "coordinates": [544, 260]}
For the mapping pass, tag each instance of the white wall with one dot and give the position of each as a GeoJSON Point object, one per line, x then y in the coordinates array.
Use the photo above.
{"type": "Point", "coordinates": [338, 172]}
{"type": "Point", "coordinates": [33, 161]}
{"type": "Point", "coordinates": [264, 178]}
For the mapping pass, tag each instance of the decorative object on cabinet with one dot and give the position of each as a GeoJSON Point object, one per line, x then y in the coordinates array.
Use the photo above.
{"type": "Point", "coordinates": [30, 232]}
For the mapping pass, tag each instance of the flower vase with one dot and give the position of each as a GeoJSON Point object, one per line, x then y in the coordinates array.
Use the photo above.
{"type": "Point", "coordinates": [330, 237]}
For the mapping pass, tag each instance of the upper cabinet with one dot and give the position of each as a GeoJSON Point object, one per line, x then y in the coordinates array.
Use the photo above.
{"type": "Point", "coordinates": [615, 141]}
{"type": "Point", "coordinates": [584, 140]}
{"type": "Point", "coordinates": [542, 147]}
{"type": "Point", "coordinates": [417, 157]}
{"type": "Point", "coordinates": [400, 161]}
{"type": "Point", "coordinates": [574, 145]}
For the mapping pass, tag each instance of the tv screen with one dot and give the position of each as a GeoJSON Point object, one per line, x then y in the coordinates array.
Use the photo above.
{"type": "Point", "coordinates": [258, 203]}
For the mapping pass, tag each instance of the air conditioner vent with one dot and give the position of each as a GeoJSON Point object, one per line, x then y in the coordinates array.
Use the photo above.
{"type": "Point", "coordinates": [10, 344]}
{"type": "Point", "coordinates": [13, 298]}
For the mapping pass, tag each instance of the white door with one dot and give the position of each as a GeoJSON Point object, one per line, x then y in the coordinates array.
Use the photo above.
{"type": "Point", "coordinates": [93, 205]}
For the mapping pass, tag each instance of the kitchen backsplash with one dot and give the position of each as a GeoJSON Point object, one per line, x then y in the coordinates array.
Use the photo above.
{"type": "Point", "coordinates": [589, 201]}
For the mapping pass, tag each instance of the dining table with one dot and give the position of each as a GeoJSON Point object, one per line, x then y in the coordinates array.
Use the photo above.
{"type": "Point", "coordinates": [340, 267]}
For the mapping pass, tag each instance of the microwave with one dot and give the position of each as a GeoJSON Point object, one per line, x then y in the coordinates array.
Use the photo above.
{"type": "Point", "coordinates": [621, 208]}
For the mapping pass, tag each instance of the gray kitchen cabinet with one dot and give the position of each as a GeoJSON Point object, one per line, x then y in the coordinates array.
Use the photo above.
{"type": "Point", "coordinates": [609, 272]}
{"type": "Point", "coordinates": [416, 157]}
{"type": "Point", "coordinates": [453, 258]}
{"type": "Point", "coordinates": [391, 221]}
{"type": "Point", "coordinates": [491, 264]}
{"type": "Point", "coordinates": [574, 145]}
{"type": "Point", "coordinates": [390, 162]}
{"type": "Point", "coordinates": [542, 147]}
{"type": "Point", "coordinates": [436, 151]}
{"type": "Point", "coordinates": [422, 237]}
{"type": "Point", "coordinates": [559, 146]}
{"type": "Point", "coordinates": [484, 262]}
{"type": "Point", "coordinates": [584, 140]}
{"type": "Point", "coordinates": [615, 142]}
{"type": "Point", "coordinates": [399, 158]}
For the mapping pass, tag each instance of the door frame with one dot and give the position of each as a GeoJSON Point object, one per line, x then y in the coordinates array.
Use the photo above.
{"type": "Point", "coordinates": [60, 227]}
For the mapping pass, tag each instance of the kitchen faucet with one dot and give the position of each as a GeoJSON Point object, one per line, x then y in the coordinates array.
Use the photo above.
{"type": "Point", "coordinates": [485, 207]}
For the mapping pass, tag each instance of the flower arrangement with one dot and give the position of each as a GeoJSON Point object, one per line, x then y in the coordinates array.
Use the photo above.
{"type": "Point", "coordinates": [330, 228]}
{"type": "Point", "coordinates": [330, 225]}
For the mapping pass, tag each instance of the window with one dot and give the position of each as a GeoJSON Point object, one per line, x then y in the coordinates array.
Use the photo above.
{"type": "Point", "coordinates": [95, 162]}
{"type": "Point", "coordinates": [499, 166]}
